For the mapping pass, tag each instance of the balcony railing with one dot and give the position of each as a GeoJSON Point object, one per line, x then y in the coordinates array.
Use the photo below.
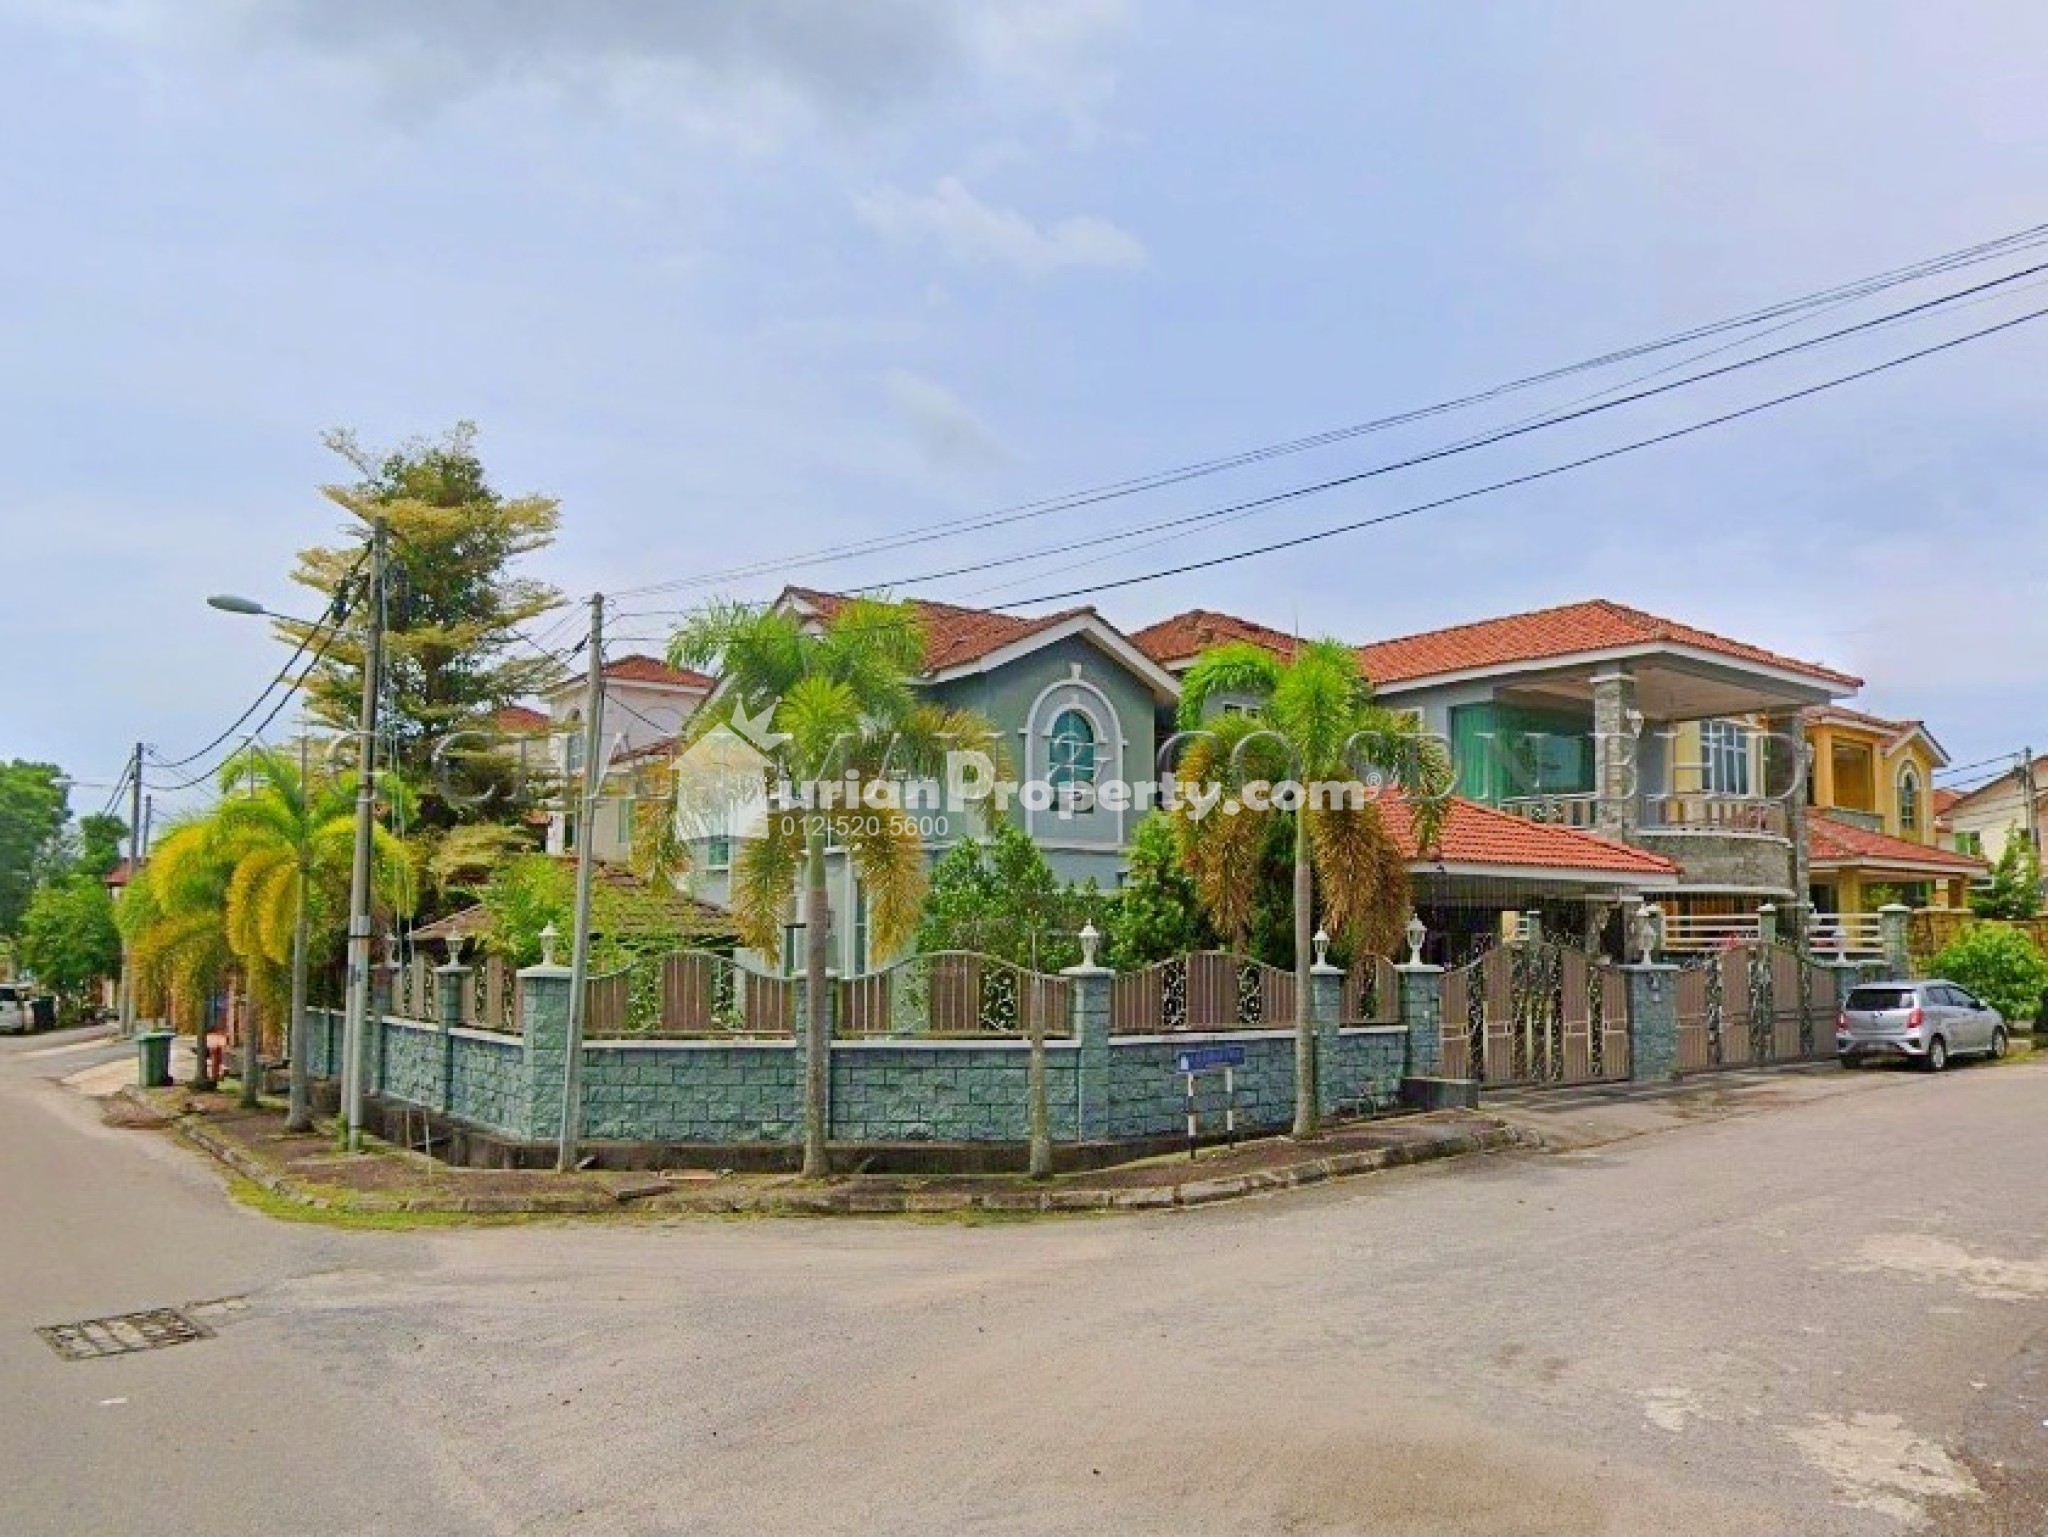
{"type": "Point", "coordinates": [1658, 813]}
{"type": "Point", "coordinates": [1849, 936]}
{"type": "Point", "coordinates": [1854, 936]}
{"type": "Point", "coordinates": [1569, 810]}
{"type": "Point", "coordinates": [1713, 813]}
{"type": "Point", "coordinates": [1692, 934]}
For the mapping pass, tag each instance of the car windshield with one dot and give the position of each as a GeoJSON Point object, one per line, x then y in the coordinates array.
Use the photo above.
{"type": "Point", "coordinates": [1872, 999]}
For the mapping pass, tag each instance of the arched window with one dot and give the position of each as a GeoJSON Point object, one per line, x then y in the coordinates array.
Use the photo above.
{"type": "Point", "coordinates": [1071, 762]}
{"type": "Point", "coordinates": [1909, 800]}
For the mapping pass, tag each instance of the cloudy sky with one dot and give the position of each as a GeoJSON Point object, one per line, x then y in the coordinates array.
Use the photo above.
{"type": "Point", "coordinates": [738, 281]}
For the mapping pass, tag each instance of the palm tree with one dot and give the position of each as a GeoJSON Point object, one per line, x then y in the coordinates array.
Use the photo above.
{"type": "Point", "coordinates": [1316, 725]}
{"type": "Point", "coordinates": [843, 703]}
{"type": "Point", "coordinates": [288, 833]}
{"type": "Point", "coordinates": [174, 916]}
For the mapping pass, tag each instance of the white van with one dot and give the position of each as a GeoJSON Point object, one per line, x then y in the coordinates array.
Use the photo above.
{"type": "Point", "coordinates": [15, 1017]}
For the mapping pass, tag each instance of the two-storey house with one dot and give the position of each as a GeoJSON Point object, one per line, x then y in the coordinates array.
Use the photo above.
{"type": "Point", "coordinates": [1873, 834]}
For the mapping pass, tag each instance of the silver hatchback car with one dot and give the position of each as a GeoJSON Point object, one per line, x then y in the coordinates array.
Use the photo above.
{"type": "Point", "coordinates": [1927, 1022]}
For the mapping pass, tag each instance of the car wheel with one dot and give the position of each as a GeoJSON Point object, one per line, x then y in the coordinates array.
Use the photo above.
{"type": "Point", "coordinates": [1999, 1044]}
{"type": "Point", "coordinates": [1937, 1055]}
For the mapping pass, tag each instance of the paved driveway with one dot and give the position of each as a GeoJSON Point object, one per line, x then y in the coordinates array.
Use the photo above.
{"type": "Point", "coordinates": [1822, 1317]}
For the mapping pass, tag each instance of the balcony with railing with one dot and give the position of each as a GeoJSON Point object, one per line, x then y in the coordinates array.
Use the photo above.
{"type": "Point", "coordinates": [1654, 814]}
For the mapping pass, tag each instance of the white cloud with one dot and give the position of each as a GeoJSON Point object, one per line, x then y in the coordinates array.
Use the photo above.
{"type": "Point", "coordinates": [755, 70]}
{"type": "Point", "coordinates": [972, 231]}
{"type": "Point", "coordinates": [950, 435]}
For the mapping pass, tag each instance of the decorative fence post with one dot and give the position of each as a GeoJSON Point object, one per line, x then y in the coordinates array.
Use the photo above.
{"type": "Point", "coordinates": [1422, 1006]}
{"type": "Point", "coordinates": [451, 982]}
{"type": "Point", "coordinates": [1090, 995]}
{"type": "Point", "coordinates": [1767, 924]}
{"type": "Point", "coordinates": [1893, 922]}
{"type": "Point", "coordinates": [1652, 1020]}
{"type": "Point", "coordinates": [1326, 1008]}
{"type": "Point", "coordinates": [544, 1025]}
{"type": "Point", "coordinates": [381, 978]}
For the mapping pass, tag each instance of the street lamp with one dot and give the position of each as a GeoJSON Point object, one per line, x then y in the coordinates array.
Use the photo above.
{"type": "Point", "coordinates": [355, 1018]}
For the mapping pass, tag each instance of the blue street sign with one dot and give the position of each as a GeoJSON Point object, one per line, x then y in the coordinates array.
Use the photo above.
{"type": "Point", "coordinates": [1203, 1058]}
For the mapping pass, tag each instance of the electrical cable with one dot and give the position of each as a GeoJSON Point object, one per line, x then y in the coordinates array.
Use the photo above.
{"type": "Point", "coordinates": [333, 632]}
{"type": "Point", "coordinates": [1544, 474]}
{"type": "Point", "coordinates": [1528, 424]}
{"type": "Point", "coordinates": [339, 610]}
{"type": "Point", "coordinates": [1828, 298]}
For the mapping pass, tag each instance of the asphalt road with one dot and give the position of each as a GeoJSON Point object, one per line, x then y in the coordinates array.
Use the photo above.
{"type": "Point", "coordinates": [1826, 1318]}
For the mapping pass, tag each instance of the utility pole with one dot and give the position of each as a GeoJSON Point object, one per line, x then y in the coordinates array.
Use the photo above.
{"type": "Point", "coordinates": [586, 840]}
{"type": "Point", "coordinates": [2029, 798]}
{"type": "Point", "coordinates": [134, 868]}
{"type": "Point", "coordinates": [355, 1032]}
{"type": "Point", "coordinates": [298, 1110]}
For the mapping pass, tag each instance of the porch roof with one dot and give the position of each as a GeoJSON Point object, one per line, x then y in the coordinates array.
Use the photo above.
{"type": "Point", "coordinates": [1477, 840]}
{"type": "Point", "coordinates": [1833, 845]}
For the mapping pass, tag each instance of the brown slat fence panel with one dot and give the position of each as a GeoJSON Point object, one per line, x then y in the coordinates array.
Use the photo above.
{"type": "Point", "coordinates": [953, 994]}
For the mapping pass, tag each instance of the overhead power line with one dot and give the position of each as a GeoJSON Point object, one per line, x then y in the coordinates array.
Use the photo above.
{"type": "Point", "coordinates": [1535, 475]}
{"type": "Point", "coordinates": [333, 632]}
{"type": "Point", "coordinates": [1984, 251]}
{"type": "Point", "coordinates": [2006, 759]}
{"type": "Point", "coordinates": [1469, 445]}
{"type": "Point", "coordinates": [339, 611]}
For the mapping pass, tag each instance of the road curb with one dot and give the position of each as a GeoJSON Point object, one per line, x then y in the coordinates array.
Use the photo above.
{"type": "Point", "coordinates": [850, 1201]}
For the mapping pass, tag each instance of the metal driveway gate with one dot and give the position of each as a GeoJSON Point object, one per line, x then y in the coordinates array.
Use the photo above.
{"type": "Point", "coordinates": [1750, 1005]}
{"type": "Point", "coordinates": [1535, 1013]}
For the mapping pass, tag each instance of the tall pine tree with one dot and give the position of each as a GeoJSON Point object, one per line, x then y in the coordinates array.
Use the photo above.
{"type": "Point", "coordinates": [454, 601]}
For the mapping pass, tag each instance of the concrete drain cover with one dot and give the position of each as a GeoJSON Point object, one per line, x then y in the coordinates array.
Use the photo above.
{"type": "Point", "coordinates": [123, 1334]}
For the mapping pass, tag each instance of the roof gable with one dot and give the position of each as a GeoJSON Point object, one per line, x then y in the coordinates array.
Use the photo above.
{"type": "Point", "coordinates": [1178, 639]}
{"type": "Point", "coordinates": [962, 640]}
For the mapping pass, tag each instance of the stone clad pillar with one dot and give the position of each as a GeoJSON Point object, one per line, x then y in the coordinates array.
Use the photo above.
{"type": "Point", "coordinates": [1652, 1020]}
{"type": "Point", "coordinates": [1893, 920]}
{"type": "Point", "coordinates": [1616, 728]}
{"type": "Point", "coordinates": [373, 1028]}
{"type": "Point", "coordinates": [451, 984]}
{"type": "Point", "coordinates": [1797, 919]}
{"type": "Point", "coordinates": [544, 1029]}
{"type": "Point", "coordinates": [1090, 1002]}
{"type": "Point", "coordinates": [1422, 1016]}
{"type": "Point", "coordinates": [1326, 1008]}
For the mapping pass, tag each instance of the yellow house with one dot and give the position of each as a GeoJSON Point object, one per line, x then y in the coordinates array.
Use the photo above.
{"type": "Point", "coordinates": [1871, 837]}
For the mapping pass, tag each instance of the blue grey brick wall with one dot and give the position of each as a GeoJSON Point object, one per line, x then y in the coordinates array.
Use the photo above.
{"type": "Point", "coordinates": [693, 1093]}
{"type": "Point", "coordinates": [1148, 1097]}
{"type": "Point", "coordinates": [1369, 1061]}
{"type": "Point", "coordinates": [409, 1068]}
{"type": "Point", "coordinates": [487, 1080]}
{"type": "Point", "coordinates": [911, 1093]}
{"type": "Point", "coordinates": [895, 1091]}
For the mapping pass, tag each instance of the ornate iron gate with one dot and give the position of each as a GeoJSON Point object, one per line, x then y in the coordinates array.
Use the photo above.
{"type": "Point", "coordinates": [1535, 1013]}
{"type": "Point", "coordinates": [1750, 1005]}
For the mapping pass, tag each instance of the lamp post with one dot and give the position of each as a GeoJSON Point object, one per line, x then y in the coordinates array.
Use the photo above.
{"type": "Point", "coordinates": [354, 1032]}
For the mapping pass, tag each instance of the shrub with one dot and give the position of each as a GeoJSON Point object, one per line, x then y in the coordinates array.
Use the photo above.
{"type": "Point", "coordinates": [2000, 965]}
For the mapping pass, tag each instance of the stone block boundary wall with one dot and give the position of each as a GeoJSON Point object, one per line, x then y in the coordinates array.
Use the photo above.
{"type": "Point", "coordinates": [1099, 1087]}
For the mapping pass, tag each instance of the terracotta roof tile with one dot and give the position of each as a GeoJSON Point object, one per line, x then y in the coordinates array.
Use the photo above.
{"type": "Point", "coordinates": [1596, 625]}
{"type": "Point", "coordinates": [1894, 732]}
{"type": "Point", "coordinates": [1831, 843]}
{"type": "Point", "coordinates": [1479, 835]}
{"type": "Point", "coordinates": [953, 636]}
{"type": "Point", "coordinates": [637, 668]}
{"type": "Point", "coordinates": [518, 720]}
{"type": "Point", "coordinates": [1183, 637]}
